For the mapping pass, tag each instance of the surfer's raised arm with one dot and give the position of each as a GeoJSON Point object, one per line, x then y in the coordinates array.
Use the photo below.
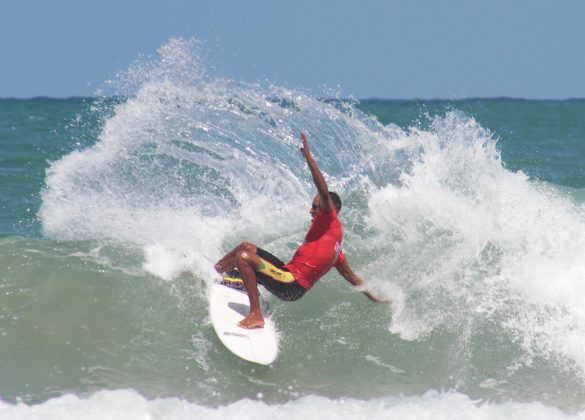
{"type": "Point", "coordinates": [324, 198]}
{"type": "Point", "coordinates": [346, 272]}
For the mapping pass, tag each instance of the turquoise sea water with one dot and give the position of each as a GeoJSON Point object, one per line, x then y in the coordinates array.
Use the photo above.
{"type": "Point", "coordinates": [468, 215]}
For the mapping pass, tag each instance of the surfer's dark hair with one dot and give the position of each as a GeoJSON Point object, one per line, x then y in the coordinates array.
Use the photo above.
{"type": "Point", "coordinates": [336, 200]}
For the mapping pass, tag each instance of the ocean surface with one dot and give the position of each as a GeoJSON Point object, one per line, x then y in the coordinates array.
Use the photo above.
{"type": "Point", "coordinates": [468, 215]}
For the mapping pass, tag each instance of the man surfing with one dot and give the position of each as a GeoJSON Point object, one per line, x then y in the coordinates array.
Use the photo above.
{"type": "Point", "coordinates": [321, 251]}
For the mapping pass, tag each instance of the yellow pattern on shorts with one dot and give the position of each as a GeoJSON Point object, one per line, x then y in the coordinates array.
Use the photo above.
{"type": "Point", "coordinates": [277, 274]}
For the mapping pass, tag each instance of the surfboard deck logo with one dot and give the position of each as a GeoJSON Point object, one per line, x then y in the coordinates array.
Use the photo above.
{"type": "Point", "coordinates": [227, 307]}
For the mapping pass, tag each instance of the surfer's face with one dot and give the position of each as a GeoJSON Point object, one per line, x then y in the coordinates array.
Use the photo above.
{"type": "Point", "coordinates": [314, 208]}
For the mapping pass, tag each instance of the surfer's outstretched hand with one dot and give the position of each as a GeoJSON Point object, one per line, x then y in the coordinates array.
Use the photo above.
{"type": "Point", "coordinates": [305, 151]}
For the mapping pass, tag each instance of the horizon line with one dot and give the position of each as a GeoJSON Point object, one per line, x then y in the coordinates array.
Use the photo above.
{"type": "Point", "coordinates": [412, 99]}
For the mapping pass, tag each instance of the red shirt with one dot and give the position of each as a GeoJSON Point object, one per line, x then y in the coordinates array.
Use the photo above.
{"type": "Point", "coordinates": [320, 251]}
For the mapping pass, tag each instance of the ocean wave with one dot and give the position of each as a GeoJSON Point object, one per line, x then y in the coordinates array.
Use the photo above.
{"type": "Point", "coordinates": [482, 264]}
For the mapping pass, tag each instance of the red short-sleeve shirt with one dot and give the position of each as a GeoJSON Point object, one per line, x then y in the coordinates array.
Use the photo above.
{"type": "Point", "coordinates": [321, 250]}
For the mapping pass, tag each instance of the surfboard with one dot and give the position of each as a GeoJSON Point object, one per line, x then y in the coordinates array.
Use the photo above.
{"type": "Point", "coordinates": [227, 307]}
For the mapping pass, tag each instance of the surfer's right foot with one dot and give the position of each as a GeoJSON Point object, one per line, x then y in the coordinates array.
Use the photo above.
{"type": "Point", "coordinates": [251, 322]}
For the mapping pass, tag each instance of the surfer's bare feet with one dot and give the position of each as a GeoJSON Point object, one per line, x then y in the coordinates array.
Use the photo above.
{"type": "Point", "coordinates": [252, 321]}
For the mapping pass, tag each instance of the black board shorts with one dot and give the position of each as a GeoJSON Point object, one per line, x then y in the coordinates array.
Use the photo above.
{"type": "Point", "coordinates": [276, 279]}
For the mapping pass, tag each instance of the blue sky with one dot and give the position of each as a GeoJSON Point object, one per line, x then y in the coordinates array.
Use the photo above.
{"type": "Point", "coordinates": [366, 49]}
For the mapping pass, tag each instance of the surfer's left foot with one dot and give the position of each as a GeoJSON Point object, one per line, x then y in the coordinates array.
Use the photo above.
{"type": "Point", "coordinates": [251, 322]}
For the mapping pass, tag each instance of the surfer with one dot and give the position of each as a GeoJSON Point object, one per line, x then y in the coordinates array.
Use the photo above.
{"type": "Point", "coordinates": [321, 251]}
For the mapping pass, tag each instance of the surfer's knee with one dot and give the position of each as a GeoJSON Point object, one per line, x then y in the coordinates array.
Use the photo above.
{"type": "Point", "coordinates": [247, 259]}
{"type": "Point", "coordinates": [242, 257]}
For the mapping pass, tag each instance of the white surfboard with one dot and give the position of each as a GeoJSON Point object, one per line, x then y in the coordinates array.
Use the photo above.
{"type": "Point", "coordinates": [227, 307]}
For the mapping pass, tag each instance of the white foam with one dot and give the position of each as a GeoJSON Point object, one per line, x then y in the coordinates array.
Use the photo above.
{"type": "Point", "coordinates": [173, 172]}
{"type": "Point", "coordinates": [129, 405]}
{"type": "Point", "coordinates": [462, 232]}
